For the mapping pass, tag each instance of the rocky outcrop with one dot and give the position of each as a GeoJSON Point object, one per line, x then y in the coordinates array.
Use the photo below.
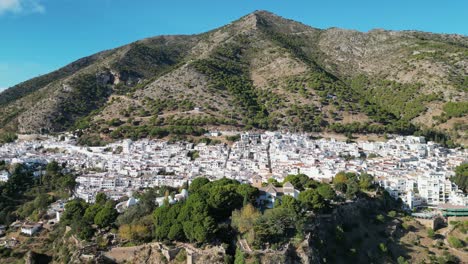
{"type": "Point", "coordinates": [154, 253]}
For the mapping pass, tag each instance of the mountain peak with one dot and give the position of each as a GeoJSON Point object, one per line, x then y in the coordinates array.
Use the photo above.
{"type": "Point", "coordinates": [252, 20]}
{"type": "Point", "coordinates": [267, 15]}
{"type": "Point", "coordinates": [270, 20]}
{"type": "Point", "coordinates": [263, 13]}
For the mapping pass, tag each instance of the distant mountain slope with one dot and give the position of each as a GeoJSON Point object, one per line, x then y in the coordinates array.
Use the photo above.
{"type": "Point", "coordinates": [261, 71]}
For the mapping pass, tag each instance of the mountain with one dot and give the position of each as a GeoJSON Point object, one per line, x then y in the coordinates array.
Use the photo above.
{"type": "Point", "coordinates": [261, 71]}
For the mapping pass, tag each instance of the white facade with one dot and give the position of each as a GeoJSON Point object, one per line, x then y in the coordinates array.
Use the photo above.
{"type": "Point", "coordinates": [4, 176]}
{"type": "Point", "coordinates": [435, 188]}
{"type": "Point", "coordinates": [30, 229]}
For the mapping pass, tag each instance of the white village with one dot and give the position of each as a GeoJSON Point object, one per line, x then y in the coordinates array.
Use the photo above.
{"type": "Point", "coordinates": [407, 167]}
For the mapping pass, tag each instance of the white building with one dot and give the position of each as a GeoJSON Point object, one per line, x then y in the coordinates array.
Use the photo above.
{"type": "Point", "coordinates": [269, 194]}
{"type": "Point", "coordinates": [4, 176]}
{"type": "Point", "coordinates": [30, 228]}
{"type": "Point", "coordinates": [435, 188]}
{"type": "Point", "coordinates": [412, 200]}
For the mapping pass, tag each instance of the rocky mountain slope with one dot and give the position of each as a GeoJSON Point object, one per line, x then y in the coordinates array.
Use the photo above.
{"type": "Point", "coordinates": [261, 71]}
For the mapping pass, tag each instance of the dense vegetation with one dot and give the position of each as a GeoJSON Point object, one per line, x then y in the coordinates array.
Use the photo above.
{"type": "Point", "coordinates": [145, 59]}
{"type": "Point", "coordinates": [200, 219]}
{"type": "Point", "coordinates": [203, 217]}
{"type": "Point", "coordinates": [461, 177]}
{"type": "Point", "coordinates": [83, 217]}
{"type": "Point", "coordinates": [7, 137]}
{"type": "Point", "coordinates": [456, 109]}
{"type": "Point", "coordinates": [25, 196]}
{"type": "Point", "coordinates": [88, 93]}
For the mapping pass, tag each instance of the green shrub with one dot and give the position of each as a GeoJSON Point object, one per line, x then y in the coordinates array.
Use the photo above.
{"type": "Point", "coordinates": [392, 214]}
{"type": "Point", "coordinates": [7, 137]}
{"type": "Point", "coordinates": [380, 218]}
{"type": "Point", "coordinates": [402, 260]}
{"type": "Point", "coordinates": [430, 233]}
{"type": "Point", "coordinates": [455, 242]}
{"type": "Point", "coordinates": [383, 248]}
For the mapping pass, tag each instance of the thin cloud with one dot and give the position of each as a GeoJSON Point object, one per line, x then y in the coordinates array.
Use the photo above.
{"type": "Point", "coordinates": [21, 6]}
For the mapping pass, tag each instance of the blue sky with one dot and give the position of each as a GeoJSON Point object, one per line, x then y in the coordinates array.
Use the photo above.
{"type": "Point", "coordinates": [38, 36]}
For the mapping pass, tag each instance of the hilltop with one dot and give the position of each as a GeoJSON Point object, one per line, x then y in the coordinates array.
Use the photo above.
{"type": "Point", "coordinates": [261, 71]}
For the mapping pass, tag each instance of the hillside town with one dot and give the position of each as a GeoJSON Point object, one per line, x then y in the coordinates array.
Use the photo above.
{"type": "Point", "coordinates": [409, 168]}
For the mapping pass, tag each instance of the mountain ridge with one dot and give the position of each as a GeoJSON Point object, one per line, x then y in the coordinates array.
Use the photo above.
{"type": "Point", "coordinates": [272, 72]}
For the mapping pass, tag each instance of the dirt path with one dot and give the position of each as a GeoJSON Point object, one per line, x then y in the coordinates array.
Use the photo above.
{"type": "Point", "coordinates": [245, 246]}
{"type": "Point", "coordinates": [122, 254]}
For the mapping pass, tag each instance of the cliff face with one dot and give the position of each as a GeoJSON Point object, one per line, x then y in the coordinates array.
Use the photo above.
{"type": "Point", "coordinates": [159, 253]}
{"type": "Point", "coordinates": [185, 253]}
{"type": "Point", "coordinates": [262, 71]}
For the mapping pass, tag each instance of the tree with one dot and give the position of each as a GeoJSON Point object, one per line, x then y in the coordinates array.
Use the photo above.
{"type": "Point", "coordinates": [365, 181]}
{"type": "Point", "coordinates": [312, 200]}
{"type": "Point", "coordinates": [248, 192]}
{"type": "Point", "coordinates": [73, 210]}
{"type": "Point", "coordinates": [197, 184]}
{"type": "Point", "coordinates": [162, 222]}
{"type": "Point", "coordinates": [53, 168]}
{"type": "Point", "coordinates": [91, 212]}
{"type": "Point", "coordinates": [68, 182]}
{"type": "Point", "coordinates": [21, 179]}
{"type": "Point", "coordinates": [447, 258]}
{"type": "Point", "coordinates": [274, 182]}
{"type": "Point", "coordinates": [243, 219]}
{"type": "Point", "coordinates": [341, 187]}
{"type": "Point", "coordinates": [195, 216]}
{"type": "Point", "coordinates": [326, 191]}
{"type": "Point", "coordinates": [340, 177]}
{"type": "Point", "coordinates": [351, 176]}
{"type": "Point", "coordinates": [352, 188]}
{"type": "Point", "coordinates": [84, 231]}
{"type": "Point", "coordinates": [239, 257]}
{"type": "Point", "coordinates": [299, 181]}
{"type": "Point", "coordinates": [42, 201]}
{"type": "Point", "coordinates": [291, 203]}
{"type": "Point", "coordinates": [223, 200]}
{"type": "Point", "coordinates": [106, 216]}
{"type": "Point", "coordinates": [461, 177]}
{"type": "Point", "coordinates": [101, 198]}
{"type": "Point", "coordinates": [275, 225]}
{"type": "Point", "coordinates": [176, 232]}
{"type": "Point", "coordinates": [200, 231]}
